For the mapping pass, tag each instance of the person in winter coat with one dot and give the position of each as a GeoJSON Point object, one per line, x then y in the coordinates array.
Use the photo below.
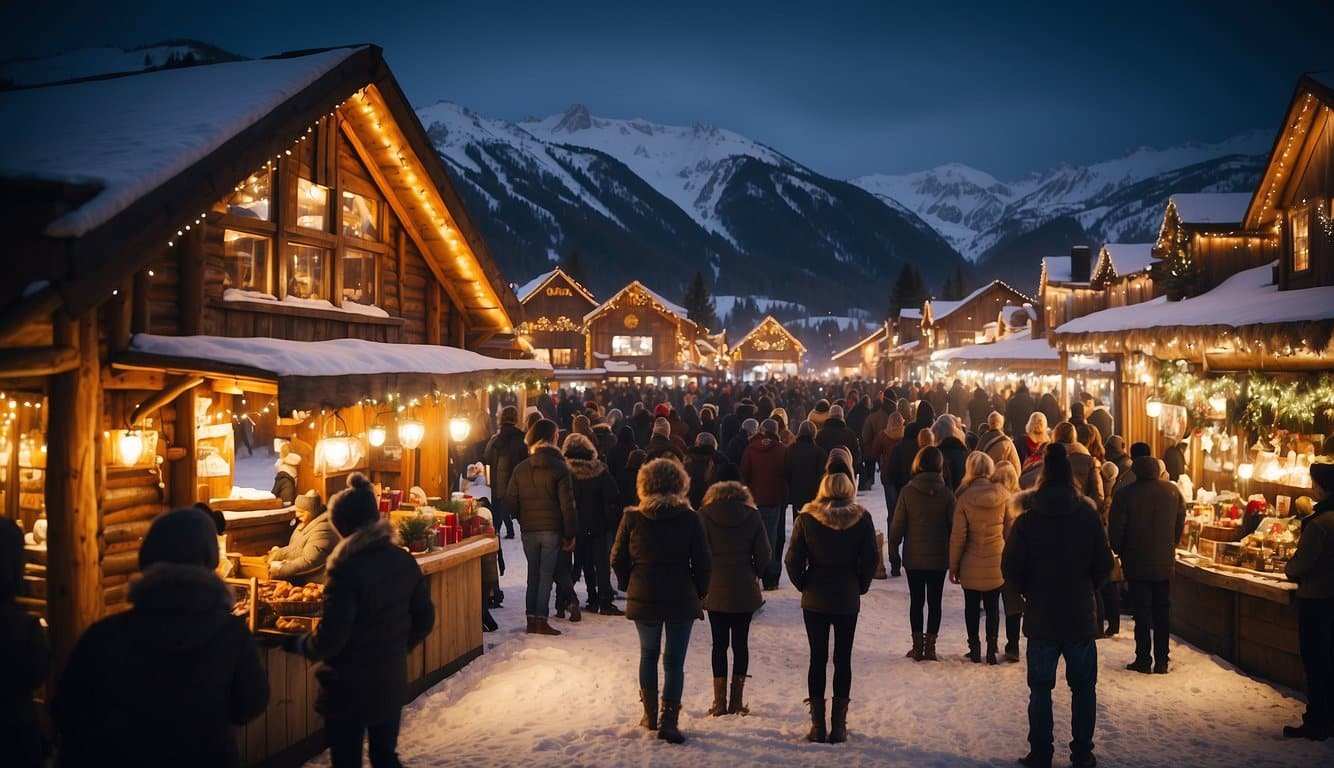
{"type": "Point", "coordinates": [978, 409]}
{"type": "Point", "coordinates": [1174, 460]}
{"type": "Point", "coordinates": [661, 556]}
{"type": "Point", "coordinates": [503, 453]}
{"type": "Point", "coordinates": [167, 682]}
{"type": "Point", "coordinates": [1050, 408]}
{"type": "Point", "coordinates": [1086, 469]}
{"type": "Point", "coordinates": [27, 660]}
{"type": "Point", "coordinates": [876, 422]}
{"type": "Point", "coordinates": [1116, 454]}
{"type": "Point", "coordinates": [740, 552]}
{"type": "Point", "coordinates": [732, 423]}
{"type": "Point", "coordinates": [762, 470]}
{"type": "Point", "coordinates": [313, 538]}
{"type": "Point", "coordinates": [1144, 526]}
{"type": "Point", "coordinates": [603, 439]}
{"type": "Point", "coordinates": [977, 538]}
{"type": "Point", "coordinates": [819, 414]}
{"type": "Point", "coordinates": [881, 452]}
{"type": "Point", "coordinates": [1035, 436]}
{"type": "Point", "coordinates": [1007, 479]}
{"type": "Point", "coordinates": [1057, 557]}
{"type": "Point", "coordinates": [1079, 423]}
{"type": "Point", "coordinates": [803, 468]}
{"type": "Point", "coordinates": [922, 520]}
{"type": "Point", "coordinates": [597, 503]}
{"type": "Point", "coordinates": [1312, 567]}
{"type": "Point", "coordinates": [950, 441]}
{"type": "Point", "coordinates": [377, 608]}
{"type": "Point", "coordinates": [1109, 597]}
{"type": "Point", "coordinates": [958, 400]}
{"type": "Point", "coordinates": [617, 456]}
{"type": "Point", "coordinates": [1098, 416]}
{"type": "Point", "coordinates": [996, 444]}
{"type": "Point", "coordinates": [737, 448]}
{"type": "Point", "coordinates": [785, 435]}
{"type": "Point", "coordinates": [662, 444]}
{"type": "Point", "coordinates": [627, 477]}
{"type": "Point", "coordinates": [284, 478]}
{"type": "Point", "coordinates": [831, 561]}
{"type": "Point", "coordinates": [857, 416]}
{"type": "Point", "coordinates": [541, 496]}
{"type": "Point", "coordinates": [702, 461]}
{"type": "Point", "coordinates": [641, 422]}
{"type": "Point", "coordinates": [835, 433]}
{"type": "Point", "coordinates": [1017, 411]}
{"type": "Point", "coordinates": [840, 461]}
{"type": "Point", "coordinates": [708, 421]}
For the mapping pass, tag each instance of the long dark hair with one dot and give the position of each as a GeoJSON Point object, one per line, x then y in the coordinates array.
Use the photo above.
{"type": "Point", "coordinates": [1056, 468]}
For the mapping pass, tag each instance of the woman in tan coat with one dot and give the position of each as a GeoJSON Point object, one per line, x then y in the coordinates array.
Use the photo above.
{"type": "Point", "coordinates": [977, 539]}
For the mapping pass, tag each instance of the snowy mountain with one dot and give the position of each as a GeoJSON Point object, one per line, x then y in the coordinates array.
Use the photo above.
{"type": "Point", "coordinates": [638, 199]}
{"type": "Point", "coordinates": [92, 62]}
{"type": "Point", "coordinates": [1116, 200]}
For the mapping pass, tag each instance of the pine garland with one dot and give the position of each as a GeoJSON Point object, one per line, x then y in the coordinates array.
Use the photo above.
{"type": "Point", "coordinates": [1262, 404]}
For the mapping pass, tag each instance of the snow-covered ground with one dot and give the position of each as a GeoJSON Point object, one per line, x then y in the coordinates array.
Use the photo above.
{"type": "Point", "coordinates": [573, 700]}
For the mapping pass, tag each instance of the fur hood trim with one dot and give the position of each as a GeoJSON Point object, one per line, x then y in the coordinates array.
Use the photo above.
{"type": "Point", "coordinates": [585, 469]}
{"type": "Point", "coordinates": [363, 538]}
{"type": "Point", "coordinates": [728, 491]}
{"type": "Point", "coordinates": [662, 478]}
{"type": "Point", "coordinates": [834, 514]}
{"type": "Point", "coordinates": [578, 445]}
{"type": "Point", "coordinates": [160, 576]}
{"type": "Point", "coordinates": [662, 507]}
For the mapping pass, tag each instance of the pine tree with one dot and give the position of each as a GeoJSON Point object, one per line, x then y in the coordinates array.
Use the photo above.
{"type": "Point", "coordinates": [699, 305]}
{"type": "Point", "coordinates": [909, 291]}
{"type": "Point", "coordinates": [574, 267]}
{"type": "Point", "coordinates": [1177, 272]}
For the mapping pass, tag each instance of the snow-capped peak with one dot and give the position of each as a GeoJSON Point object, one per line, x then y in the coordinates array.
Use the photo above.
{"type": "Point", "coordinates": [576, 118]}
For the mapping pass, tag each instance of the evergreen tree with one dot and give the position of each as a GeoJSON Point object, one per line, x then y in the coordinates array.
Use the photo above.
{"type": "Point", "coordinates": [574, 267]}
{"type": "Point", "coordinates": [909, 291]}
{"type": "Point", "coordinates": [1176, 271]}
{"type": "Point", "coordinates": [954, 287]}
{"type": "Point", "coordinates": [699, 305]}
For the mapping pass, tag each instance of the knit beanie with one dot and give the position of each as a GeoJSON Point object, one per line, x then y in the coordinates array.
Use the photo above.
{"type": "Point", "coordinates": [706, 440]}
{"type": "Point", "coordinates": [1140, 449]}
{"type": "Point", "coordinates": [750, 426]}
{"type": "Point", "coordinates": [310, 501]}
{"type": "Point", "coordinates": [182, 536]}
{"type": "Point", "coordinates": [806, 429]}
{"type": "Point", "coordinates": [662, 427]}
{"type": "Point", "coordinates": [835, 411]}
{"type": "Point", "coordinates": [769, 427]}
{"type": "Point", "coordinates": [1322, 474]}
{"type": "Point", "coordinates": [355, 506]}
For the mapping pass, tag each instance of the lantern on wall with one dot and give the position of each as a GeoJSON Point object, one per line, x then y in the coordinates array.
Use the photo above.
{"type": "Point", "coordinates": [411, 431]}
{"type": "Point", "coordinates": [459, 427]}
{"type": "Point", "coordinates": [377, 433]}
{"type": "Point", "coordinates": [339, 450]}
{"type": "Point", "coordinates": [130, 447]}
{"type": "Point", "coordinates": [1154, 407]}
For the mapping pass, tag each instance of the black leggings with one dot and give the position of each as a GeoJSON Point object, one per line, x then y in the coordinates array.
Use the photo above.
{"type": "Point", "coordinates": [817, 635]}
{"type": "Point", "coordinates": [925, 588]}
{"type": "Point", "coordinates": [730, 629]}
{"type": "Point", "coordinates": [973, 602]}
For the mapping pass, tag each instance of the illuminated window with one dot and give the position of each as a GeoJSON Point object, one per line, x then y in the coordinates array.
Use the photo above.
{"type": "Point", "coordinates": [562, 358]}
{"type": "Point", "coordinates": [632, 346]}
{"type": "Point", "coordinates": [307, 272]}
{"type": "Point", "coordinates": [361, 216]}
{"type": "Point", "coordinates": [312, 205]}
{"type": "Point", "coordinates": [1301, 240]}
{"type": "Point", "coordinates": [542, 355]}
{"type": "Point", "coordinates": [246, 259]}
{"type": "Point", "coordinates": [251, 198]}
{"type": "Point", "coordinates": [358, 276]}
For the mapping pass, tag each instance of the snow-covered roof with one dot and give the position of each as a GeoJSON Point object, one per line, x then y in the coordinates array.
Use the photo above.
{"type": "Point", "coordinates": [1017, 348]}
{"type": "Point", "coordinates": [942, 309]}
{"type": "Point", "coordinates": [1211, 207]}
{"type": "Point", "coordinates": [1246, 298]}
{"type": "Point", "coordinates": [670, 306]}
{"type": "Point", "coordinates": [873, 338]}
{"type": "Point", "coordinates": [906, 347]}
{"type": "Point", "coordinates": [1058, 269]}
{"type": "Point", "coordinates": [1129, 258]}
{"type": "Point", "coordinates": [910, 314]}
{"type": "Point", "coordinates": [296, 364]}
{"type": "Point", "coordinates": [770, 322]}
{"type": "Point", "coordinates": [129, 135]}
{"type": "Point", "coordinates": [532, 286]}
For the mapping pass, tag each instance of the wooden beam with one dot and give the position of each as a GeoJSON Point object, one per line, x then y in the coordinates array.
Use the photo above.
{"type": "Point", "coordinates": [74, 575]}
{"type": "Point", "coordinates": [175, 390]}
{"type": "Point", "coordinates": [36, 308]}
{"type": "Point", "coordinates": [17, 362]}
{"type": "Point", "coordinates": [146, 380]}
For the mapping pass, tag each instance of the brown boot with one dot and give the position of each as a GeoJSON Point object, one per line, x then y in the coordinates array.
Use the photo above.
{"type": "Point", "coordinates": [650, 718]}
{"type": "Point", "coordinates": [915, 653]}
{"type": "Point", "coordinates": [929, 648]}
{"type": "Point", "coordinates": [737, 706]}
{"type": "Point", "coordinates": [532, 625]}
{"type": "Point", "coordinates": [719, 697]}
{"type": "Point", "coordinates": [543, 627]}
{"type": "Point", "coordinates": [668, 729]}
{"type": "Point", "coordinates": [817, 733]}
{"type": "Point", "coordinates": [838, 721]}
{"type": "Point", "coordinates": [573, 608]}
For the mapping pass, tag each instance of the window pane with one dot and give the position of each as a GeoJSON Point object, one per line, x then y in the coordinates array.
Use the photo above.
{"type": "Point", "coordinates": [1301, 242]}
{"type": "Point", "coordinates": [247, 261]}
{"type": "Point", "coordinates": [358, 276]}
{"type": "Point", "coordinates": [562, 358]}
{"type": "Point", "coordinates": [251, 198]}
{"type": "Point", "coordinates": [312, 205]}
{"type": "Point", "coordinates": [361, 216]}
{"type": "Point", "coordinates": [632, 346]}
{"type": "Point", "coordinates": [306, 272]}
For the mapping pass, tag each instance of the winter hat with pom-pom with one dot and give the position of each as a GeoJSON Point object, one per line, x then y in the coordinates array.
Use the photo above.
{"type": "Point", "coordinates": [355, 506]}
{"type": "Point", "coordinates": [182, 536]}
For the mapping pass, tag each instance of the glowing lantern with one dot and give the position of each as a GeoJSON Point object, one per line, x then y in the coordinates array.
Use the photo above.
{"type": "Point", "coordinates": [410, 432]}
{"type": "Point", "coordinates": [1154, 408]}
{"type": "Point", "coordinates": [339, 450]}
{"type": "Point", "coordinates": [130, 447]}
{"type": "Point", "coordinates": [459, 427]}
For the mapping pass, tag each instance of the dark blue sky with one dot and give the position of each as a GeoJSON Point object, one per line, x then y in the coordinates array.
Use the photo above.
{"type": "Point", "coordinates": [847, 88]}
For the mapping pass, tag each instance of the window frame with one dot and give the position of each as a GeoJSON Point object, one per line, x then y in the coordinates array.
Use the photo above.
{"type": "Point", "coordinates": [269, 259]}
{"type": "Point", "coordinates": [342, 253]}
{"type": "Point", "coordinates": [649, 336]}
{"type": "Point", "coordinates": [1304, 232]}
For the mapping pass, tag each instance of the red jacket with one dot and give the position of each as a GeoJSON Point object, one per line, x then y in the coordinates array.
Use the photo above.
{"type": "Point", "coordinates": [762, 469]}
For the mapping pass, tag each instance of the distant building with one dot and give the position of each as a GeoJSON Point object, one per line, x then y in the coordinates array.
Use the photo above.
{"type": "Point", "coordinates": [768, 350]}
{"type": "Point", "coordinates": [956, 323]}
{"type": "Point", "coordinates": [637, 335]}
{"type": "Point", "coordinates": [554, 305]}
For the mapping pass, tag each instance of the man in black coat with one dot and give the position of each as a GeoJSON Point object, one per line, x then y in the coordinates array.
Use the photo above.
{"type": "Point", "coordinates": [1057, 557]}
{"type": "Point", "coordinates": [597, 501]}
{"type": "Point", "coordinates": [377, 608]}
{"type": "Point", "coordinates": [503, 453]}
{"type": "Point", "coordinates": [1145, 524]}
{"type": "Point", "coordinates": [167, 682]}
{"type": "Point", "coordinates": [27, 659]}
{"type": "Point", "coordinates": [1017, 410]}
{"type": "Point", "coordinates": [835, 433]}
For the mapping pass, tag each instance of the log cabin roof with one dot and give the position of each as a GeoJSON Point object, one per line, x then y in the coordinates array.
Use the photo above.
{"type": "Point", "coordinates": [1121, 259]}
{"type": "Point", "coordinates": [935, 311]}
{"type": "Point", "coordinates": [158, 148]}
{"type": "Point", "coordinates": [1226, 208]}
{"type": "Point", "coordinates": [878, 335]}
{"type": "Point", "coordinates": [655, 300]}
{"type": "Point", "coordinates": [526, 291]}
{"type": "Point", "coordinates": [1314, 89]}
{"type": "Point", "coordinates": [770, 325]}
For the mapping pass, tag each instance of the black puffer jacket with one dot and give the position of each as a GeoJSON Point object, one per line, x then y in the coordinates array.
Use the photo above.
{"type": "Point", "coordinates": [955, 454]}
{"type": "Point", "coordinates": [662, 560]}
{"type": "Point", "coordinates": [832, 556]}
{"type": "Point", "coordinates": [1145, 523]}
{"type": "Point", "coordinates": [505, 451]}
{"type": "Point", "coordinates": [738, 548]}
{"type": "Point", "coordinates": [803, 468]}
{"type": "Point", "coordinates": [1056, 556]}
{"type": "Point", "coordinates": [834, 433]}
{"type": "Point", "coordinates": [701, 463]}
{"type": "Point", "coordinates": [540, 495]}
{"type": "Point", "coordinates": [165, 683]}
{"type": "Point", "coordinates": [377, 607]}
{"type": "Point", "coordinates": [597, 499]}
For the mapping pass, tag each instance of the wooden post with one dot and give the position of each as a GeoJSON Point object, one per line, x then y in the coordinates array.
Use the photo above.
{"type": "Point", "coordinates": [1120, 419]}
{"type": "Point", "coordinates": [74, 574]}
{"type": "Point", "coordinates": [184, 473]}
{"type": "Point", "coordinates": [1065, 374]}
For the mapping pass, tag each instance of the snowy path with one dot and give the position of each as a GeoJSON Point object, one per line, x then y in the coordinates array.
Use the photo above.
{"type": "Point", "coordinates": [573, 701]}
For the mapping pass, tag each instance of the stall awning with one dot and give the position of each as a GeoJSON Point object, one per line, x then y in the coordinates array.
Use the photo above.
{"type": "Point", "coordinates": [1017, 349]}
{"type": "Point", "coordinates": [334, 373]}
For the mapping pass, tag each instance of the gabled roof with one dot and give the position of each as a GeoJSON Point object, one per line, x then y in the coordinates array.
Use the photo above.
{"type": "Point", "coordinates": [910, 314]}
{"type": "Point", "coordinates": [651, 298]}
{"type": "Point", "coordinates": [770, 325]}
{"type": "Point", "coordinates": [874, 338]}
{"type": "Point", "coordinates": [1121, 259]}
{"type": "Point", "coordinates": [1057, 269]}
{"type": "Point", "coordinates": [1227, 208]}
{"type": "Point", "coordinates": [935, 311]}
{"type": "Point", "coordinates": [526, 291]}
{"type": "Point", "coordinates": [1313, 90]}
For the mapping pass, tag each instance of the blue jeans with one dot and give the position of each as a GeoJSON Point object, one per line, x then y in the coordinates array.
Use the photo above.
{"type": "Point", "coordinates": [673, 660]}
{"type": "Point", "coordinates": [1081, 673]}
{"type": "Point", "coordinates": [540, 548]}
{"type": "Point", "coordinates": [772, 518]}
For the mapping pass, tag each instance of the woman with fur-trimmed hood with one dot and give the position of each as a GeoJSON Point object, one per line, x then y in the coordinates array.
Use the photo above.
{"type": "Point", "coordinates": [831, 559]}
{"type": "Point", "coordinates": [740, 551]}
{"type": "Point", "coordinates": [597, 504]}
{"type": "Point", "coordinates": [661, 559]}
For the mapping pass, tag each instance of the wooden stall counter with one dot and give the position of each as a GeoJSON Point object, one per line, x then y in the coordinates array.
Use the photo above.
{"type": "Point", "coordinates": [291, 732]}
{"type": "Point", "coordinates": [1240, 616]}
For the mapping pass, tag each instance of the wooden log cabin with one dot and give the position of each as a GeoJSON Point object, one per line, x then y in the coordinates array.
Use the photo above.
{"type": "Point", "coordinates": [956, 323]}
{"type": "Point", "coordinates": [768, 350]}
{"type": "Point", "coordinates": [1065, 287]}
{"type": "Point", "coordinates": [864, 359]}
{"type": "Point", "coordinates": [637, 335]}
{"type": "Point", "coordinates": [270, 241]}
{"type": "Point", "coordinates": [554, 305]}
{"type": "Point", "coordinates": [1205, 231]}
{"type": "Point", "coordinates": [1122, 274]}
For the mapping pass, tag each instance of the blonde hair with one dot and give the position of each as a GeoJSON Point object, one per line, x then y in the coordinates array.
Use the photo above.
{"type": "Point", "coordinates": [1037, 427]}
{"type": "Point", "coordinates": [925, 438]}
{"type": "Point", "coordinates": [779, 415]}
{"type": "Point", "coordinates": [836, 486]}
{"type": "Point", "coordinates": [978, 466]}
{"type": "Point", "coordinates": [1006, 476]}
